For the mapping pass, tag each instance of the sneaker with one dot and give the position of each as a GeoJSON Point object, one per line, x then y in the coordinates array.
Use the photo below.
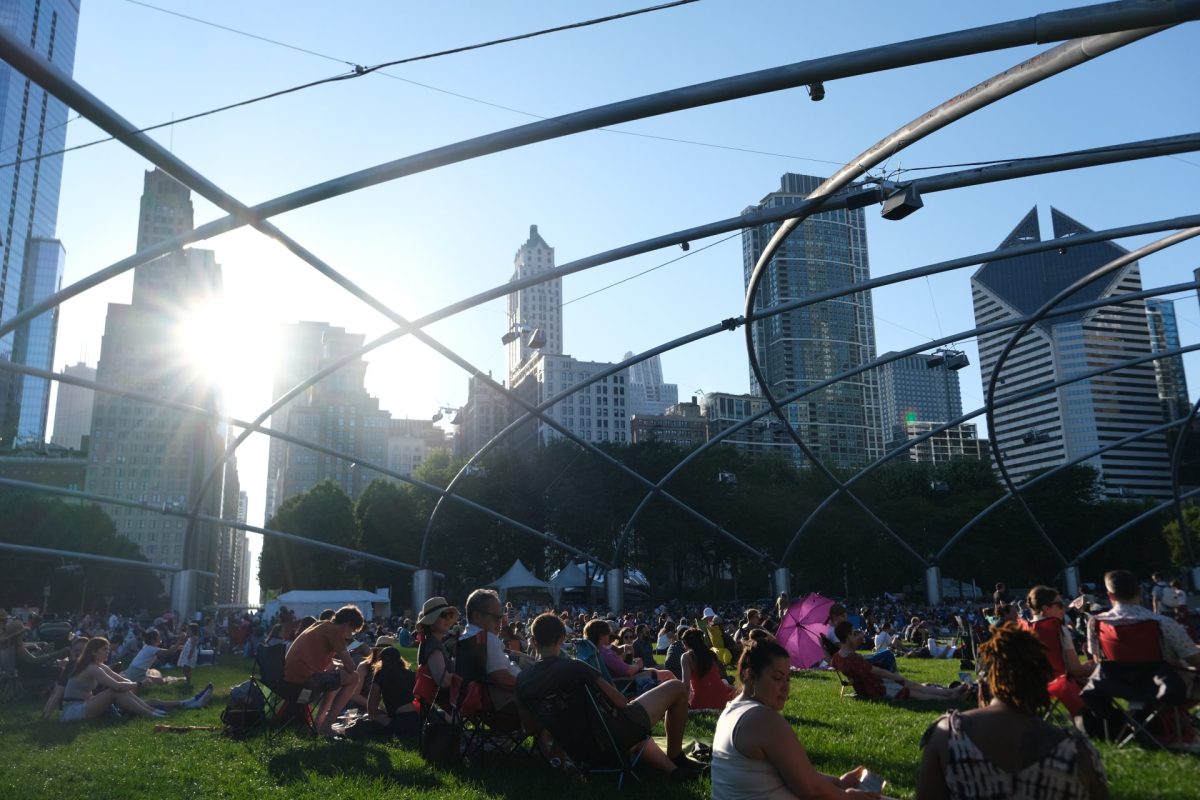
{"type": "Point", "coordinates": [683, 762]}
{"type": "Point", "coordinates": [158, 713]}
{"type": "Point", "coordinates": [200, 700]}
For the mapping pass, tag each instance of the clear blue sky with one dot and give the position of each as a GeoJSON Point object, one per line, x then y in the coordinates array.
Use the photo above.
{"type": "Point", "coordinates": [422, 242]}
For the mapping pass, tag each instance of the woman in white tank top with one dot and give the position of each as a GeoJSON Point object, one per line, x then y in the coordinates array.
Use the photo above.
{"type": "Point", "coordinates": [756, 755]}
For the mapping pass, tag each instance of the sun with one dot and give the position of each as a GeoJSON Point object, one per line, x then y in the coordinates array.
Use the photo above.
{"type": "Point", "coordinates": [230, 350]}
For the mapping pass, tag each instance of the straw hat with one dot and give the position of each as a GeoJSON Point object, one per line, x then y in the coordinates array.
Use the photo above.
{"type": "Point", "coordinates": [433, 608]}
{"type": "Point", "coordinates": [385, 641]}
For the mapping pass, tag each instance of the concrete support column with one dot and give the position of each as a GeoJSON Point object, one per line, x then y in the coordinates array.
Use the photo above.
{"type": "Point", "coordinates": [1196, 578]}
{"type": "Point", "coordinates": [614, 590]}
{"type": "Point", "coordinates": [1071, 579]}
{"type": "Point", "coordinates": [783, 581]}
{"type": "Point", "coordinates": [933, 585]}
{"type": "Point", "coordinates": [422, 588]}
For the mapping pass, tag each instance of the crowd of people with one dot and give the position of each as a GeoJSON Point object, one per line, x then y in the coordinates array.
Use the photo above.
{"type": "Point", "coordinates": [539, 671]}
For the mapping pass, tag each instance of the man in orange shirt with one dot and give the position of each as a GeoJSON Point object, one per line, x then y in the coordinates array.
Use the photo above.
{"type": "Point", "coordinates": [309, 662]}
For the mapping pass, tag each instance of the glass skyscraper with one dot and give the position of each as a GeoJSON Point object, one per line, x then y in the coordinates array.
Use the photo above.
{"type": "Point", "coordinates": [1172, 382]}
{"type": "Point", "coordinates": [801, 348]}
{"type": "Point", "coordinates": [31, 123]}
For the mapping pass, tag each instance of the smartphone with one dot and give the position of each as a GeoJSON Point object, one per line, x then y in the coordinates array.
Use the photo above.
{"type": "Point", "coordinates": [964, 677]}
{"type": "Point", "coordinates": [870, 782]}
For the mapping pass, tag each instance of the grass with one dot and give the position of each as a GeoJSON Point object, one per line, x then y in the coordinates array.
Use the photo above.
{"type": "Point", "coordinates": [124, 758]}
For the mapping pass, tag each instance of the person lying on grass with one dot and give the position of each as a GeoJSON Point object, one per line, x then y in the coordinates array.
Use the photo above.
{"type": "Point", "coordinates": [552, 696]}
{"type": "Point", "coordinates": [755, 751]}
{"type": "Point", "coordinates": [875, 683]}
{"type": "Point", "coordinates": [92, 687]}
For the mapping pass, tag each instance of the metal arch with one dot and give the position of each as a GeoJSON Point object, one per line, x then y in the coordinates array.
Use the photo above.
{"type": "Point", "coordinates": [1140, 518]}
{"type": "Point", "coordinates": [720, 437]}
{"type": "Point", "coordinates": [727, 325]}
{"type": "Point", "coordinates": [120, 562]}
{"type": "Point", "coordinates": [1043, 26]}
{"type": "Point", "coordinates": [117, 501]}
{"type": "Point", "coordinates": [989, 396]}
{"type": "Point", "coordinates": [1176, 459]}
{"type": "Point", "coordinates": [104, 117]}
{"type": "Point", "coordinates": [1023, 75]}
{"type": "Point", "coordinates": [1133, 437]}
{"type": "Point", "coordinates": [255, 427]}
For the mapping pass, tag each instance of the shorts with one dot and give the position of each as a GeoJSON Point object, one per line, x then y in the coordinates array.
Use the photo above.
{"type": "Point", "coordinates": [630, 725]}
{"type": "Point", "coordinates": [894, 691]}
{"type": "Point", "coordinates": [74, 711]}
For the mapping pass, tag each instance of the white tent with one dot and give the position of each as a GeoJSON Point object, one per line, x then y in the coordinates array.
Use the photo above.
{"type": "Point", "coordinates": [519, 578]}
{"type": "Point", "coordinates": [311, 602]}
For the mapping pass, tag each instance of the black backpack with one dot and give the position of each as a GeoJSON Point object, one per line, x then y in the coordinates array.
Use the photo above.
{"type": "Point", "coordinates": [244, 712]}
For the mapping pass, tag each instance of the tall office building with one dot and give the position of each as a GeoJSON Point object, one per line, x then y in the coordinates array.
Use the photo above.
{"type": "Point", "coordinates": [535, 308]}
{"type": "Point", "coordinates": [231, 543]}
{"type": "Point", "coordinates": [73, 409]}
{"type": "Point", "coordinates": [599, 413]}
{"type": "Point", "coordinates": [915, 388]}
{"type": "Point", "coordinates": [336, 413]}
{"type": "Point", "coordinates": [487, 412]}
{"type": "Point", "coordinates": [1069, 422]}
{"type": "Point", "coordinates": [648, 394]}
{"type": "Point", "coordinates": [150, 453]}
{"type": "Point", "coordinates": [1172, 382]}
{"type": "Point", "coordinates": [32, 123]}
{"type": "Point", "coordinates": [801, 348]}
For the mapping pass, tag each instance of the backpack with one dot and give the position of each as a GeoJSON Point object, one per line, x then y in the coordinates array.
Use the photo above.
{"type": "Point", "coordinates": [245, 710]}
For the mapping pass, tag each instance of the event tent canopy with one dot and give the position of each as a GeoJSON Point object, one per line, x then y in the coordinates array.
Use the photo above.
{"type": "Point", "coordinates": [519, 578]}
{"type": "Point", "coordinates": [311, 602]}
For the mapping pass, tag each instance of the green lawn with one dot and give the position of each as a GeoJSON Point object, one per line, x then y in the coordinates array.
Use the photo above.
{"type": "Point", "coordinates": [125, 758]}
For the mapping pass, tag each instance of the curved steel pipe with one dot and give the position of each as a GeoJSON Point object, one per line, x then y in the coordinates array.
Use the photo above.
{"type": "Point", "coordinates": [990, 393]}
{"type": "Point", "coordinates": [230, 523]}
{"type": "Point", "coordinates": [1022, 76]}
{"type": "Point", "coordinates": [120, 562]}
{"type": "Point", "coordinates": [1140, 518]}
{"type": "Point", "coordinates": [314, 446]}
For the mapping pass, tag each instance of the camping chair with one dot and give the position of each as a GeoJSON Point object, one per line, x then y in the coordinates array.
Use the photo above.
{"type": "Point", "coordinates": [1064, 691]}
{"type": "Point", "coordinates": [485, 729]}
{"type": "Point", "coordinates": [848, 689]}
{"type": "Point", "coordinates": [286, 702]}
{"type": "Point", "coordinates": [585, 651]}
{"type": "Point", "coordinates": [1132, 669]}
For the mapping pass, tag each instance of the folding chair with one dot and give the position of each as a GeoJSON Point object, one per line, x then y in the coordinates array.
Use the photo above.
{"type": "Point", "coordinates": [586, 651]}
{"type": "Point", "coordinates": [848, 689]}
{"type": "Point", "coordinates": [286, 702]}
{"type": "Point", "coordinates": [485, 729]}
{"type": "Point", "coordinates": [1064, 691]}
{"type": "Point", "coordinates": [1132, 670]}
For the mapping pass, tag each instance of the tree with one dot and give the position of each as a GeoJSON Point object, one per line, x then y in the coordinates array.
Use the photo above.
{"type": "Point", "coordinates": [323, 514]}
{"type": "Point", "coordinates": [390, 525]}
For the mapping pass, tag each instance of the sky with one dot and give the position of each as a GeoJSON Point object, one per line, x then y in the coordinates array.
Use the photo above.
{"type": "Point", "coordinates": [422, 242]}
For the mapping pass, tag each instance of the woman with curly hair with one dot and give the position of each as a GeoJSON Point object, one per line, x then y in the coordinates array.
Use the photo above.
{"type": "Point", "coordinates": [1004, 749]}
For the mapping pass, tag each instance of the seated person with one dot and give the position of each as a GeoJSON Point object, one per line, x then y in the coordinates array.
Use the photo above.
{"type": "Point", "coordinates": [1047, 604]}
{"type": "Point", "coordinates": [433, 626]}
{"type": "Point", "coordinates": [875, 683]}
{"type": "Point", "coordinates": [707, 688]}
{"type": "Point", "coordinates": [141, 669]}
{"type": "Point", "coordinates": [837, 615]}
{"type": "Point", "coordinates": [755, 750]}
{"type": "Point", "coordinates": [599, 633]}
{"type": "Point", "coordinates": [673, 662]}
{"type": "Point", "coordinates": [481, 657]}
{"type": "Point", "coordinates": [37, 671]}
{"type": "Point", "coordinates": [666, 635]}
{"type": "Point", "coordinates": [552, 698]}
{"type": "Point", "coordinates": [753, 622]}
{"type": "Point", "coordinates": [309, 664]}
{"type": "Point", "coordinates": [54, 702]}
{"type": "Point", "coordinates": [392, 685]}
{"type": "Point", "coordinates": [916, 631]}
{"type": "Point", "coordinates": [91, 687]}
{"type": "Point", "coordinates": [1004, 748]}
{"type": "Point", "coordinates": [643, 646]}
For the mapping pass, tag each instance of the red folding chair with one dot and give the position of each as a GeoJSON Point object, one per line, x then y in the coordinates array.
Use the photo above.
{"type": "Point", "coordinates": [1063, 689]}
{"type": "Point", "coordinates": [1132, 670]}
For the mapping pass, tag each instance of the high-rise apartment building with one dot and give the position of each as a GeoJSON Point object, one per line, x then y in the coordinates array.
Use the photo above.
{"type": "Point", "coordinates": [917, 387]}
{"type": "Point", "coordinates": [598, 413]}
{"type": "Point", "coordinates": [231, 543]}
{"type": "Point", "coordinates": [800, 348]}
{"type": "Point", "coordinates": [409, 441]}
{"type": "Point", "coordinates": [1052, 427]}
{"type": "Point", "coordinates": [166, 210]}
{"type": "Point", "coordinates": [1168, 372]}
{"type": "Point", "coordinates": [151, 453]}
{"type": "Point", "coordinates": [32, 123]}
{"type": "Point", "coordinates": [648, 394]}
{"type": "Point", "coordinates": [336, 413]}
{"type": "Point", "coordinates": [487, 412]}
{"type": "Point", "coordinates": [766, 437]}
{"type": "Point", "coordinates": [73, 409]}
{"type": "Point", "coordinates": [535, 308]}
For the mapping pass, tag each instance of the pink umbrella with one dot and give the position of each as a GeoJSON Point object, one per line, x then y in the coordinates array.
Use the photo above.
{"type": "Point", "coordinates": [801, 629]}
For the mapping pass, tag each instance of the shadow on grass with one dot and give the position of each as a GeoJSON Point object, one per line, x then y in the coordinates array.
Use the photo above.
{"type": "Point", "coordinates": [300, 764]}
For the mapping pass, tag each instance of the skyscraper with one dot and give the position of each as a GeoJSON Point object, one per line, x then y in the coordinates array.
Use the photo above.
{"type": "Point", "coordinates": [73, 409]}
{"type": "Point", "coordinates": [150, 453]}
{"type": "Point", "coordinates": [534, 308]}
{"type": "Point", "coordinates": [800, 348]}
{"type": "Point", "coordinates": [917, 388]}
{"type": "Point", "coordinates": [648, 394]}
{"type": "Point", "coordinates": [31, 260]}
{"type": "Point", "coordinates": [1168, 372]}
{"type": "Point", "coordinates": [1053, 427]}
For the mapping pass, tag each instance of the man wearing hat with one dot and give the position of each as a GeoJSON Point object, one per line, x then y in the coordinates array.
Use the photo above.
{"type": "Point", "coordinates": [28, 665]}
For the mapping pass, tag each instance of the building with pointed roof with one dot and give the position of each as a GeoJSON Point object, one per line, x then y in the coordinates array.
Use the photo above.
{"type": "Point", "coordinates": [1051, 428]}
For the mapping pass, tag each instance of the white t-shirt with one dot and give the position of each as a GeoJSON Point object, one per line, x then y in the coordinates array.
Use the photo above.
{"type": "Point", "coordinates": [883, 640]}
{"type": "Point", "coordinates": [190, 653]}
{"type": "Point", "coordinates": [496, 660]}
